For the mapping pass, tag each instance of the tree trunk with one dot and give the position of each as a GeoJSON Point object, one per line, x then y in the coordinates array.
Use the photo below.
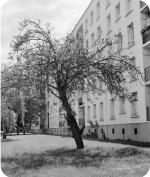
{"type": "Point", "coordinates": [23, 130]}
{"type": "Point", "coordinates": [30, 125]}
{"type": "Point", "coordinates": [4, 134]}
{"type": "Point", "coordinates": [17, 130]}
{"type": "Point", "coordinates": [4, 131]}
{"type": "Point", "coordinates": [22, 125]}
{"type": "Point", "coordinates": [76, 132]}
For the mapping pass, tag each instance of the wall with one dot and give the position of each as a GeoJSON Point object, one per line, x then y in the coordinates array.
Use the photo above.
{"type": "Point", "coordinates": [143, 130]}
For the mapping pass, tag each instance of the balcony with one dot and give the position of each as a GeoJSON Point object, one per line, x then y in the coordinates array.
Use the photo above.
{"type": "Point", "coordinates": [145, 22]}
{"type": "Point", "coordinates": [144, 9]}
{"type": "Point", "coordinates": [147, 74]}
{"type": "Point", "coordinates": [146, 37]}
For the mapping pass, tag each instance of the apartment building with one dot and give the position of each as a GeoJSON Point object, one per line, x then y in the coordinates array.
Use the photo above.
{"type": "Point", "coordinates": [116, 119]}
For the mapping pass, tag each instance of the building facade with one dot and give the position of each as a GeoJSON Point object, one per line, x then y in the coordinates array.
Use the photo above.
{"type": "Point", "coordinates": [115, 119]}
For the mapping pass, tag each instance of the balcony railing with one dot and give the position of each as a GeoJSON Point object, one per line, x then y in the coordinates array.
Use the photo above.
{"type": "Point", "coordinates": [146, 34]}
{"type": "Point", "coordinates": [147, 74]}
{"type": "Point", "coordinates": [142, 4]}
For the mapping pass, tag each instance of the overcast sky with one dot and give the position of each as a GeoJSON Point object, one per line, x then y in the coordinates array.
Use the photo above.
{"type": "Point", "coordinates": [62, 14]}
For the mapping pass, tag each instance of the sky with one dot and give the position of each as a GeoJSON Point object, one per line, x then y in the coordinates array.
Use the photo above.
{"type": "Point", "coordinates": [62, 14]}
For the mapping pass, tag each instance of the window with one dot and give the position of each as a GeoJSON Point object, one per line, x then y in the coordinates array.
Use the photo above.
{"type": "Point", "coordinates": [108, 24]}
{"type": "Point", "coordinates": [112, 109]}
{"type": "Point", "coordinates": [128, 6]}
{"type": "Point", "coordinates": [119, 41]}
{"type": "Point", "coordinates": [107, 3]}
{"type": "Point", "coordinates": [48, 104]}
{"type": "Point", "coordinates": [130, 35]}
{"type": "Point", "coordinates": [92, 39]}
{"type": "Point", "coordinates": [135, 131]}
{"type": "Point", "coordinates": [94, 111]}
{"type": "Point", "coordinates": [87, 43]}
{"type": "Point", "coordinates": [97, 10]}
{"type": "Point", "coordinates": [134, 105]}
{"type": "Point", "coordinates": [131, 73]}
{"type": "Point", "coordinates": [88, 94]}
{"type": "Point", "coordinates": [101, 111]}
{"type": "Point", "coordinates": [88, 113]}
{"type": "Point", "coordinates": [79, 35]}
{"type": "Point", "coordinates": [86, 26]}
{"type": "Point", "coordinates": [92, 17]}
{"type": "Point", "coordinates": [110, 48]}
{"type": "Point", "coordinates": [123, 131]}
{"type": "Point", "coordinates": [117, 12]}
{"type": "Point", "coordinates": [122, 105]}
{"type": "Point", "coordinates": [99, 32]}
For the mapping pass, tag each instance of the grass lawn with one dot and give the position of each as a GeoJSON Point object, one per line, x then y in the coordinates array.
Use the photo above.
{"type": "Point", "coordinates": [52, 156]}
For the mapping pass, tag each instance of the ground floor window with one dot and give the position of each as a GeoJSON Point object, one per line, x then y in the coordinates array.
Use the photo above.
{"type": "Point", "coordinates": [135, 131]}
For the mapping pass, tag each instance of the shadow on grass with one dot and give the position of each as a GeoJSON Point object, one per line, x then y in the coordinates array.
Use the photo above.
{"type": "Point", "coordinates": [63, 157]}
{"type": "Point", "coordinates": [7, 140]}
{"type": "Point", "coordinates": [120, 141]}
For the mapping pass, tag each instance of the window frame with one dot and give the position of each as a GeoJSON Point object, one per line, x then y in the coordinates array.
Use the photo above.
{"type": "Point", "coordinates": [122, 105]}
{"type": "Point", "coordinates": [134, 112]}
{"type": "Point", "coordinates": [109, 25]}
{"type": "Point", "coordinates": [91, 17]}
{"type": "Point", "coordinates": [94, 112]}
{"type": "Point", "coordinates": [101, 111]}
{"type": "Point", "coordinates": [117, 9]}
{"type": "Point", "coordinates": [98, 10]}
{"type": "Point", "coordinates": [112, 109]}
{"type": "Point", "coordinates": [86, 26]}
{"type": "Point", "coordinates": [130, 35]}
{"type": "Point", "coordinates": [92, 39]}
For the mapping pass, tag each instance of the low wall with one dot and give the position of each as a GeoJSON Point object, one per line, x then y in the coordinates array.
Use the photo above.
{"type": "Point", "coordinates": [136, 132]}
{"type": "Point", "coordinates": [53, 131]}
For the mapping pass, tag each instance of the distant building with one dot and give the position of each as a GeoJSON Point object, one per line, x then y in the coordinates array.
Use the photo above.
{"type": "Point", "coordinates": [117, 119]}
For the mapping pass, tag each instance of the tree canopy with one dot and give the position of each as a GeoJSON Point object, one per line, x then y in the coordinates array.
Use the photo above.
{"type": "Point", "coordinates": [62, 67]}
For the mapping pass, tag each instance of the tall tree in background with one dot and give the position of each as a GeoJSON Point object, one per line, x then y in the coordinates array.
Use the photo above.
{"type": "Point", "coordinates": [21, 94]}
{"type": "Point", "coordinates": [8, 117]}
{"type": "Point", "coordinates": [13, 90]}
{"type": "Point", "coordinates": [64, 67]}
